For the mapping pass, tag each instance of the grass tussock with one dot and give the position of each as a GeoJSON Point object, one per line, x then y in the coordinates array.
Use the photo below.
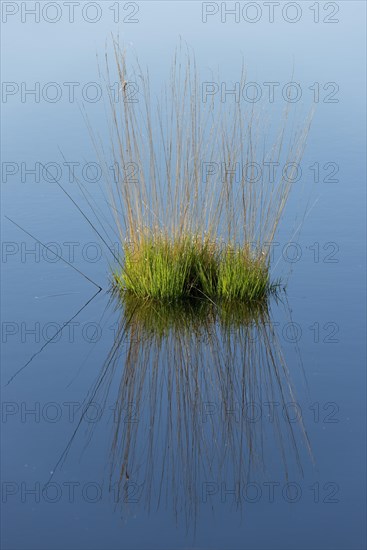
{"type": "Point", "coordinates": [187, 267]}
{"type": "Point", "coordinates": [194, 214]}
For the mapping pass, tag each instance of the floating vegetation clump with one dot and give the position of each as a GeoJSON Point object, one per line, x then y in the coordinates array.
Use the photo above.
{"type": "Point", "coordinates": [186, 267]}
{"type": "Point", "coordinates": [193, 212]}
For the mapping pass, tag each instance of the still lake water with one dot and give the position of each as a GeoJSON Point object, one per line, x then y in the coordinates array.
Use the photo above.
{"type": "Point", "coordinates": [183, 430]}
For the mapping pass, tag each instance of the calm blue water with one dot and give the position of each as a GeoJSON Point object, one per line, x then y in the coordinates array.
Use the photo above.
{"type": "Point", "coordinates": [208, 437]}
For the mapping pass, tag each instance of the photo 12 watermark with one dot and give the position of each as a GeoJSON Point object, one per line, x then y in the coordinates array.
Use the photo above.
{"type": "Point", "coordinates": [271, 492]}
{"type": "Point", "coordinates": [73, 12]}
{"type": "Point", "coordinates": [270, 12]}
{"type": "Point", "coordinates": [70, 492]}
{"type": "Point", "coordinates": [72, 92]}
{"type": "Point", "coordinates": [270, 92]}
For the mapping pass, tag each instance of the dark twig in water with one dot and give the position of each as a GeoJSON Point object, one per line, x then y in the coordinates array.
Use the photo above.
{"type": "Point", "coordinates": [53, 252]}
{"type": "Point", "coordinates": [51, 339]}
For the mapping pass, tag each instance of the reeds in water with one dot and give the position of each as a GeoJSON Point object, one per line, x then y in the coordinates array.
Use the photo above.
{"type": "Point", "coordinates": [194, 218]}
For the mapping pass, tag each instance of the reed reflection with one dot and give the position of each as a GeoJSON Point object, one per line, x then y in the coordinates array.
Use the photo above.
{"type": "Point", "coordinates": [201, 395]}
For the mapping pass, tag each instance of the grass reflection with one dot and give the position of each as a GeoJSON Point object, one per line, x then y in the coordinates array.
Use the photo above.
{"type": "Point", "coordinates": [194, 386]}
